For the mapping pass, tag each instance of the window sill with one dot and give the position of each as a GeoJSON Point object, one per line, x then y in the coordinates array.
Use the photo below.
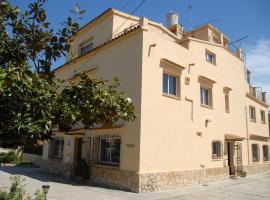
{"type": "Point", "coordinates": [263, 122]}
{"type": "Point", "coordinates": [171, 96]}
{"type": "Point", "coordinates": [217, 159]}
{"type": "Point", "coordinates": [213, 63]}
{"type": "Point", "coordinates": [56, 158]}
{"type": "Point", "coordinates": [254, 121]}
{"type": "Point", "coordinates": [255, 162]}
{"type": "Point", "coordinates": [206, 106]}
{"type": "Point", "coordinates": [106, 165]}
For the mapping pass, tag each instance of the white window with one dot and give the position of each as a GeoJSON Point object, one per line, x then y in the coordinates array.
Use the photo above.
{"type": "Point", "coordinates": [216, 150]}
{"type": "Point", "coordinates": [265, 153]}
{"type": "Point", "coordinates": [255, 153]}
{"type": "Point", "coordinates": [109, 150]}
{"type": "Point", "coordinates": [252, 113]}
{"type": "Point", "coordinates": [169, 84]}
{"type": "Point", "coordinates": [86, 48]}
{"type": "Point", "coordinates": [262, 116]}
{"type": "Point", "coordinates": [57, 147]}
{"type": "Point", "coordinates": [210, 57]}
{"type": "Point", "coordinates": [206, 96]}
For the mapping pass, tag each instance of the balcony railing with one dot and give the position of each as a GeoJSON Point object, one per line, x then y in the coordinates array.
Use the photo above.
{"type": "Point", "coordinates": [258, 93]}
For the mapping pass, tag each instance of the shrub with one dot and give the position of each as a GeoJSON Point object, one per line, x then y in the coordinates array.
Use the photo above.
{"type": "Point", "coordinates": [9, 157]}
{"type": "Point", "coordinates": [17, 191]}
{"type": "Point", "coordinates": [82, 169]}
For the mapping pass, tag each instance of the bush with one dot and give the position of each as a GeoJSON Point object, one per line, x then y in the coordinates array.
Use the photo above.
{"type": "Point", "coordinates": [82, 169]}
{"type": "Point", "coordinates": [9, 157]}
{"type": "Point", "coordinates": [17, 191]}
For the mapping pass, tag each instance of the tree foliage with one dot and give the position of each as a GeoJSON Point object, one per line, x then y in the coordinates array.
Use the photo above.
{"type": "Point", "coordinates": [93, 102]}
{"type": "Point", "coordinates": [30, 106]}
{"type": "Point", "coordinates": [26, 104]}
{"type": "Point", "coordinates": [27, 36]}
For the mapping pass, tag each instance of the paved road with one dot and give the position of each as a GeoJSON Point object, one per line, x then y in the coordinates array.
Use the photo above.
{"type": "Point", "coordinates": [251, 188]}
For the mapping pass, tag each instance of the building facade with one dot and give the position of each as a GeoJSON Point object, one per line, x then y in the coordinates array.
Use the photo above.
{"type": "Point", "coordinates": [198, 117]}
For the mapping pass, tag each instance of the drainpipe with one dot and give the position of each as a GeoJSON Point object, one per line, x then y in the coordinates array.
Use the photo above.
{"type": "Point", "coordinates": [247, 135]}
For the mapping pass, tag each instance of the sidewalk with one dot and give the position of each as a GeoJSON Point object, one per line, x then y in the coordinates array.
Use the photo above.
{"type": "Point", "coordinates": [253, 187]}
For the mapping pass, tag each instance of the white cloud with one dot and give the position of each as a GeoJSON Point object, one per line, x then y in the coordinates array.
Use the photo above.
{"type": "Point", "coordinates": [258, 62]}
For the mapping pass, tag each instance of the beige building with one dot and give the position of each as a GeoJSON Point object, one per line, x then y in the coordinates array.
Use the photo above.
{"type": "Point", "coordinates": [198, 117]}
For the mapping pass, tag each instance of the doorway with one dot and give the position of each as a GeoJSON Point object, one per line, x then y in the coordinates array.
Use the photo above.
{"type": "Point", "coordinates": [82, 157]}
{"type": "Point", "coordinates": [230, 151]}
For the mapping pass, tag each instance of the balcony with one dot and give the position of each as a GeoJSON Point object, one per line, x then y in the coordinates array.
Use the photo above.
{"type": "Point", "coordinates": [257, 93]}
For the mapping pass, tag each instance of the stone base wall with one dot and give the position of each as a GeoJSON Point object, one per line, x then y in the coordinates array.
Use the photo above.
{"type": "Point", "coordinates": [151, 182]}
{"type": "Point", "coordinates": [113, 177]}
{"type": "Point", "coordinates": [256, 168]}
{"type": "Point", "coordinates": [36, 159]}
{"type": "Point", "coordinates": [56, 167]}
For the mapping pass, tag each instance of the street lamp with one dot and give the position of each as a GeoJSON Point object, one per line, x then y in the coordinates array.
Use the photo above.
{"type": "Point", "coordinates": [45, 189]}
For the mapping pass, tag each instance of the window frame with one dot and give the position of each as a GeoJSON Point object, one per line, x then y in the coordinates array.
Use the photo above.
{"type": "Point", "coordinates": [99, 153]}
{"type": "Point", "coordinates": [219, 154]}
{"type": "Point", "coordinates": [252, 119]}
{"type": "Point", "coordinates": [267, 159]}
{"type": "Point", "coordinates": [88, 46]}
{"type": "Point", "coordinates": [258, 152]}
{"type": "Point", "coordinates": [213, 55]}
{"type": "Point", "coordinates": [227, 102]}
{"type": "Point", "coordinates": [263, 116]}
{"type": "Point", "coordinates": [209, 96]}
{"type": "Point", "coordinates": [176, 82]}
{"type": "Point", "coordinates": [60, 154]}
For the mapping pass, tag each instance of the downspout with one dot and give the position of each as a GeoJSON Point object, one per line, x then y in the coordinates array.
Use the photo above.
{"type": "Point", "coordinates": [247, 135]}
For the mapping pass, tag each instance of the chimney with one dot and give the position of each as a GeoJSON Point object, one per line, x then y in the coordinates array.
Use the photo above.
{"type": "Point", "coordinates": [173, 25]}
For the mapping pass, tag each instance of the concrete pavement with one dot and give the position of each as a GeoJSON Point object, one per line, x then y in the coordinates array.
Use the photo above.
{"type": "Point", "coordinates": [251, 188]}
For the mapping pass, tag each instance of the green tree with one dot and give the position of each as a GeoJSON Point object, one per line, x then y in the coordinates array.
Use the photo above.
{"type": "Point", "coordinates": [26, 105]}
{"type": "Point", "coordinates": [93, 102]}
{"type": "Point", "coordinates": [27, 36]}
{"type": "Point", "coordinates": [30, 106]}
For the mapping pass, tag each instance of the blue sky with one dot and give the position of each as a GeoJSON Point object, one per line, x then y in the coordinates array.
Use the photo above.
{"type": "Point", "coordinates": [238, 18]}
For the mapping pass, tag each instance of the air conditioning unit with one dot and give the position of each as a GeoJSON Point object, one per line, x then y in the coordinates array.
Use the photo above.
{"type": "Point", "coordinates": [187, 80]}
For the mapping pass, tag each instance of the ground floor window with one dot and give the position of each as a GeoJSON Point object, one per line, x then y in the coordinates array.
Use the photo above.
{"type": "Point", "coordinates": [109, 150]}
{"type": "Point", "coordinates": [216, 149]}
{"type": "Point", "coordinates": [265, 152]}
{"type": "Point", "coordinates": [57, 147]}
{"type": "Point", "coordinates": [255, 152]}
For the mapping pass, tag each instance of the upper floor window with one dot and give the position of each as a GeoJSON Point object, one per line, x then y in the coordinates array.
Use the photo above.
{"type": "Point", "coordinates": [263, 116]}
{"type": "Point", "coordinates": [86, 48]}
{"type": "Point", "coordinates": [252, 113]}
{"type": "Point", "coordinates": [226, 91]}
{"type": "Point", "coordinates": [109, 150]}
{"type": "Point", "coordinates": [57, 147]}
{"type": "Point", "coordinates": [265, 152]}
{"type": "Point", "coordinates": [255, 153]}
{"type": "Point", "coordinates": [227, 103]}
{"type": "Point", "coordinates": [210, 57]}
{"type": "Point", "coordinates": [206, 97]}
{"type": "Point", "coordinates": [171, 78]}
{"type": "Point", "coordinates": [216, 149]}
{"type": "Point", "coordinates": [169, 84]}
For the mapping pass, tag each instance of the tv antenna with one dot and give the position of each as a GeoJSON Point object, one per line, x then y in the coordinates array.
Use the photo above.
{"type": "Point", "coordinates": [190, 17]}
{"type": "Point", "coordinates": [238, 41]}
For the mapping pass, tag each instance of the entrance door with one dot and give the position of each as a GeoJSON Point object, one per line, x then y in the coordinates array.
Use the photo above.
{"type": "Point", "coordinates": [82, 157]}
{"type": "Point", "coordinates": [230, 151]}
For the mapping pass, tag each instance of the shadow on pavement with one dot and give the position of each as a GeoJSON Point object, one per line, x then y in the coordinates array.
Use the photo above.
{"type": "Point", "coordinates": [40, 175]}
